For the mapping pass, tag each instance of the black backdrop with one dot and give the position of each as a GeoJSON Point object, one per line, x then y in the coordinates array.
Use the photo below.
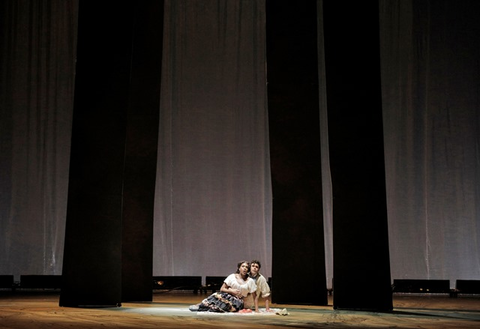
{"type": "Point", "coordinates": [109, 233]}
{"type": "Point", "coordinates": [294, 127]}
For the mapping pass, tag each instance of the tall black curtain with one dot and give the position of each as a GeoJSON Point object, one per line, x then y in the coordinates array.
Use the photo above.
{"type": "Point", "coordinates": [361, 264]}
{"type": "Point", "coordinates": [294, 129]}
{"type": "Point", "coordinates": [109, 233]}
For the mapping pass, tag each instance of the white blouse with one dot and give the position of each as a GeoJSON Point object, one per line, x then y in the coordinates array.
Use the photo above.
{"type": "Point", "coordinates": [245, 286]}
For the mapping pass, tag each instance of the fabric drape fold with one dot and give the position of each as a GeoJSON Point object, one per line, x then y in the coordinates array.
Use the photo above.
{"type": "Point", "coordinates": [213, 182]}
{"type": "Point", "coordinates": [37, 63]}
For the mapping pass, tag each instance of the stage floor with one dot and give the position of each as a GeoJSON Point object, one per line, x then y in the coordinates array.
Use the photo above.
{"type": "Point", "coordinates": [34, 310]}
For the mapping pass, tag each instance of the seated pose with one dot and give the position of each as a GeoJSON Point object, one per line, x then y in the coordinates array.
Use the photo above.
{"type": "Point", "coordinates": [263, 289]}
{"type": "Point", "coordinates": [231, 298]}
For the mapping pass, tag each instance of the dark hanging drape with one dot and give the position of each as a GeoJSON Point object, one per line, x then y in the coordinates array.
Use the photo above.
{"type": "Point", "coordinates": [109, 231]}
{"type": "Point", "coordinates": [361, 265]}
{"type": "Point", "coordinates": [294, 130]}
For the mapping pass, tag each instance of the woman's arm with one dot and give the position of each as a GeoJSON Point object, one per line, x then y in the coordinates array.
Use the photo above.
{"type": "Point", "coordinates": [229, 290]}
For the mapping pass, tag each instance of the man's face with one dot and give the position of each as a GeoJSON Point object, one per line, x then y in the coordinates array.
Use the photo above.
{"type": "Point", "coordinates": [254, 268]}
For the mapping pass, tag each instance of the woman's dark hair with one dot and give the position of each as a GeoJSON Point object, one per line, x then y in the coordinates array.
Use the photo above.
{"type": "Point", "coordinates": [256, 262]}
{"type": "Point", "coordinates": [240, 264]}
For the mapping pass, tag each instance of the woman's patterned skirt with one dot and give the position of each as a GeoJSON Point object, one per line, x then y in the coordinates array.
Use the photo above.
{"type": "Point", "coordinates": [221, 302]}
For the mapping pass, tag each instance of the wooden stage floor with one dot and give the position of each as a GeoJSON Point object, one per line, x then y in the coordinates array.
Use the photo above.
{"type": "Point", "coordinates": [35, 310]}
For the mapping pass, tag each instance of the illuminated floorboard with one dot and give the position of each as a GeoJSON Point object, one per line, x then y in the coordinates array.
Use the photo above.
{"type": "Point", "coordinates": [170, 310]}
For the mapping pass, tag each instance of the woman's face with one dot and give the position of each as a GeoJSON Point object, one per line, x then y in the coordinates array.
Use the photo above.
{"type": "Point", "coordinates": [244, 268]}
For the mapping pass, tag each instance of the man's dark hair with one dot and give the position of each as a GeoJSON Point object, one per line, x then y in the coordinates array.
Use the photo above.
{"type": "Point", "coordinates": [256, 262]}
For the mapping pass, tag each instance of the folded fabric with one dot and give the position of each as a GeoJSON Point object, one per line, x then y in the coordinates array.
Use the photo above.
{"type": "Point", "coordinates": [282, 312]}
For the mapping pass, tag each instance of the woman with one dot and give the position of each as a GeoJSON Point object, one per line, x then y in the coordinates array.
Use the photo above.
{"type": "Point", "coordinates": [233, 293]}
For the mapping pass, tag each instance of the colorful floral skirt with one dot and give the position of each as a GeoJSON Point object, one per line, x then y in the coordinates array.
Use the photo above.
{"type": "Point", "coordinates": [221, 302]}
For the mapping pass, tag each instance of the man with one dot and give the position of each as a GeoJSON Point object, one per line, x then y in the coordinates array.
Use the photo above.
{"type": "Point", "coordinates": [263, 289]}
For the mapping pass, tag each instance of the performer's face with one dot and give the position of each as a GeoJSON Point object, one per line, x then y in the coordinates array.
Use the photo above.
{"type": "Point", "coordinates": [244, 268]}
{"type": "Point", "coordinates": [254, 268]}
